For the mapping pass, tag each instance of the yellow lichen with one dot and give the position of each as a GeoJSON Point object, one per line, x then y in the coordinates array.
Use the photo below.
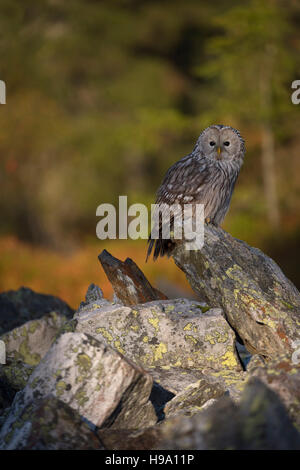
{"type": "Point", "coordinates": [229, 360]}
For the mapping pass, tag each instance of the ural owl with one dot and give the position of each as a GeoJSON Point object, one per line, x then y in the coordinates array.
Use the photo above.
{"type": "Point", "coordinates": [206, 176]}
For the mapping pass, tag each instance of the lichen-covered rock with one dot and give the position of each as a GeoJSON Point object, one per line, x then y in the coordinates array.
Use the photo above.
{"type": "Point", "coordinates": [19, 306]}
{"type": "Point", "coordinates": [259, 302]}
{"type": "Point", "coordinates": [25, 346]}
{"type": "Point", "coordinates": [283, 377]}
{"type": "Point", "coordinates": [94, 380]}
{"type": "Point", "coordinates": [120, 439]}
{"type": "Point", "coordinates": [259, 422]}
{"type": "Point", "coordinates": [13, 377]}
{"type": "Point", "coordinates": [93, 295]}
{"type": "Point", "coordinates": [194, 396]}
{"type": "Point", "coordinates": [50, 424]}
{"type": "Point", "coordinates": [178, 380]}
{"type": "Point", "coordinates": [30, 342]}
{"type": "Point", "coordinates": [166, 334]}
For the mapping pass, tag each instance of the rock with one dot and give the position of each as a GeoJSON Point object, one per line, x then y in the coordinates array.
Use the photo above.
{"type": "Point", "coordinates": [164, 334]}
{"type": "Point", "coordinates": [25, 346]}
{"type": "Point", "coordinates": [30, 342]}
{"type": "Point", "coordinates": [260, 422]}
{"type": "Point", "coordinates": [94, 380]}
{"type": "Point", "coordinates": [19, 306]}
{"type": "Point", "coordinates": [194, 396]}
{"type": "Point", "coordinates": [143, 439]}
{"type": "Point", "coordinates": [178, 381]}
{"type": "Point", "coordinates": [259, 302]}
{"type": "Point", "coordinates": [255, 361]}
{"type": "Point", "coordinates": [13, 377]}
{"type": "Point", "coordinates": [50, 424]}
{"type": "Point", "coordinates": [130, 285]}
{"type": "Point", "coordinates": [283, 377]}
{"type": "Point", "coordinates": [93, 295]}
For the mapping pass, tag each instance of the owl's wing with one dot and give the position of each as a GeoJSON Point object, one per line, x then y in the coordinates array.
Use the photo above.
{"type": "Point", "coordinates": [180, 186]}
{"type": "Point", "coordinates": [182, 181]}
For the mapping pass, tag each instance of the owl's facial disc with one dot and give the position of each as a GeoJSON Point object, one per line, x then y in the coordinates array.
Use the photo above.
{"type": "Point", "coordinates": [220, 143]}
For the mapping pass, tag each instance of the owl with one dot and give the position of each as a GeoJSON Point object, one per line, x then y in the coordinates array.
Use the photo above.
{"type": "Point", "coordinates": [206, 176]}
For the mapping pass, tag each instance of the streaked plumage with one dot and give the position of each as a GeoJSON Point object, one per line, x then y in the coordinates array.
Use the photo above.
{"type": "Point", "coordinates": [205, 176]}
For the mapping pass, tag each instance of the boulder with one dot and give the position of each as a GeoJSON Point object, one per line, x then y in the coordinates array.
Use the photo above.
{"type": "Point", "coordinates": [283, 377]}
{"type": "Point", "coordinates": [258, 301]}
{"type": "Point", "coordinates": [166, 334]}
{"type": "Point", "coordinates": [94, 380]}
{"type": "Point", "coordinates": [19, 306]}
{"type": "Point", "coordinates": [50, 424]}
{"type": "Point", "coordinates": [30, 342]}
{"type": "Point", "coordinates": [259, 422]}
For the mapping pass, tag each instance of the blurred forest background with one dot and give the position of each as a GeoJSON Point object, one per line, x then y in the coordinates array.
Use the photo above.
{"type": "Point", "coordinates": [103, 96]}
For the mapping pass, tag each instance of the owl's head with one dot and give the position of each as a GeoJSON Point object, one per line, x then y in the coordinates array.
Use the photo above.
{"type": "Point", "coordinates": [221, 143]}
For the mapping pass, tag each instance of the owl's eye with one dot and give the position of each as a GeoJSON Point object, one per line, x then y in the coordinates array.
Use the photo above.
{"type": "Point", "coordinates": [212, 143]}
{"type": "Point", "coordinates": [227, 143]}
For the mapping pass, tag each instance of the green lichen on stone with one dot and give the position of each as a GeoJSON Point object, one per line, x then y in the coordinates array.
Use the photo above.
{"type": "Point", "coordinates": [191, 339]}
{"type": "Point", "coordinates": [68, 327]}
{"type": "Point", "coordinates": [26, 355]}
{"type": "Point", "coordinates": [17, 374]}
{"type": "Point", "coordinates": [203, 308]}
{"type": "Point", "coordinates": [106, 334]}
{"type": "Point", "coordinates": [34, 325]}
{"type": "Point", "coordinates": [84, 362]}
{"type": "Point", "coordinates": [60, 387]}
{"type": "Point", "coordinates": [81, 397]}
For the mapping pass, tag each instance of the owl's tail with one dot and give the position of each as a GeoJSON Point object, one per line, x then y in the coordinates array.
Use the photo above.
{"type": "Point", "coordinates": [161, 247]}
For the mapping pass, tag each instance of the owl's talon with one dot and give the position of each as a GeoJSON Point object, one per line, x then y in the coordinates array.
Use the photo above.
{"type": "Point", "coordinates": [207, 220]}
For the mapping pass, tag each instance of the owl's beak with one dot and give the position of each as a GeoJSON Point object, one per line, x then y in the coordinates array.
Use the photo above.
{"type": "Point", "coordinates": [219, 150]}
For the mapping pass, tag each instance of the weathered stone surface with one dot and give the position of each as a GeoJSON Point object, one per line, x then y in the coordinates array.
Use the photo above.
{"type": "Point", "coordinates": [255, 361]}
{"type": "Point", "coordinates": [194, 396]}
{"type": "Point", "coordinates": [165, 334]}
{"type": "Point", "coordinates": [259, 302]}
{"type": "Point", "coordinates": [30, 342]}
{"type": "Point", "coordinates": [13, 377]}
{"type": "Point", "coordinates": [94, 380]}
{"type": "Point", "coordinates": [50, 424]}
{"type": "Point", "coordinates": [130, 285]}
{"type": "Point", "coordinates": [19, 306]}
{"type": "Point", "coordinates": [283, 377]}
{"type": "Point", "coordinates": [178, 380]}
{"type": "Point", "coordinates": [25, 347]}
{"type": "Point", "coordinates": [260, 422]}
{"type": "Point", "coordinates": [118, 439]}
{"type": "Point", "coordinates": [94, 295]}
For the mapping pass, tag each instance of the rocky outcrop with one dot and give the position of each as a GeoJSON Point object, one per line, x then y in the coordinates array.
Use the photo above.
{"type": "Point", "coordinates": [145, 372]}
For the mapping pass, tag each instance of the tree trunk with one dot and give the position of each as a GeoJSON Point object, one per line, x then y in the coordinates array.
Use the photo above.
{"type": "Point", "coordinates": [267, 140]}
